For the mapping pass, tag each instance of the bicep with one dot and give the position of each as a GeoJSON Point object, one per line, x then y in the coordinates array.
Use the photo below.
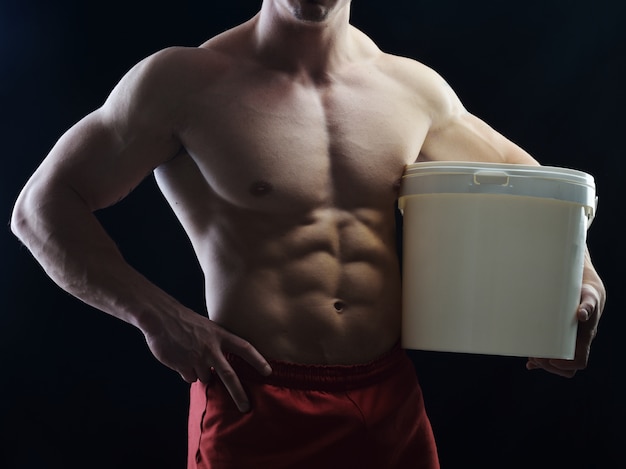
{"type": "Point", "coordinates": [110, 151]}
{"type": "Point", "coordinates": [457, 135]}
{"type": "Point", "coordinates": [464, 137]}
{"type": "Point", "coordinates": [99, 164]}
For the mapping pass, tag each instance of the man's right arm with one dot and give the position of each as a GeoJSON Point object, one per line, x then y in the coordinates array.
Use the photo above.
{"type": "Point", "coordinates": [53, 217]}
{"type": "Point", "coordinates": [95, 164]}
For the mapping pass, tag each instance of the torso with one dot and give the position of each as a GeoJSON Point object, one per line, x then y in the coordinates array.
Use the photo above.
{"type": "Point", "coordinates": [287, 191]}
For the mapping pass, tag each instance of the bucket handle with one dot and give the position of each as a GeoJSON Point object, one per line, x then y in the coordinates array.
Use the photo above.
{"type": "Point", "coordinates": [494, 178]}
{"type": "Point", "coordinates": [590, 212]}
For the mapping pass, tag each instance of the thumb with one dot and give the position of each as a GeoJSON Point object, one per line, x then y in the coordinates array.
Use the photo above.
{"type": "Point", "coordinates": [588, 303]}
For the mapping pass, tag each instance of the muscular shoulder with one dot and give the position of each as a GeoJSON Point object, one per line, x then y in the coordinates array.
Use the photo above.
{"type": "Point", "coordinates": [159, 88]}
{"type": "Point", "coordinates": [428, 88]}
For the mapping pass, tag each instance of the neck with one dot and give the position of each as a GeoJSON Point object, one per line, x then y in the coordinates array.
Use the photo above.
{"type": "Point", "coordinates": [315, 46]}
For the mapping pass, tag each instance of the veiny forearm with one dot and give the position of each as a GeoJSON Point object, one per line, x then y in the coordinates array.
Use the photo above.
{"type": "Point", "coordinates": [75, 251]}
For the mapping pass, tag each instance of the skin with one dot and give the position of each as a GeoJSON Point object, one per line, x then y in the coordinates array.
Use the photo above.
{"type": "Point", "coordinates": [279, 145]}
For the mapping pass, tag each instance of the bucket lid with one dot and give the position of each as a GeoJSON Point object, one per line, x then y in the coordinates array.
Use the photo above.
{"type": "Point", "coordinates": [459, 177]}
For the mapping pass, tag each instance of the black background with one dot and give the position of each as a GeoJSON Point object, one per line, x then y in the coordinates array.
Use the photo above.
{"type": "Point", "coordinates": [80, 389]}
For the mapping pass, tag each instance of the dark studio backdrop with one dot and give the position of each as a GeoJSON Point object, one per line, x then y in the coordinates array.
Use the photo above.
{"type": "Point", "coordinates": [80, 389]}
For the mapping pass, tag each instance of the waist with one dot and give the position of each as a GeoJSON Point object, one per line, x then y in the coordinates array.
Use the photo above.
{"type": "Point", "coordinates": [316, 335]}
{"type": "Point", "coordinates": [326, 377]}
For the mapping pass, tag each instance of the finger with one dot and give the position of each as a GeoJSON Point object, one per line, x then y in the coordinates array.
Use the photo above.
{"type": "Point", "coordinates": [531, 365]}
{"type": "Point", "coordinates": [552, 366]}
{"type": "Point", "coordinates": [585, 311]}
{"type": "Point", "coordinates": [586, 334]}
{"type": "Point", "coordinates": [558, 364]}
{"type": "Point", "coordinates": [560, 367]}
{"type": "Point", "coordinates": [233, 385]}
{"type": "Point", "coordinates": [589, 299]}
{"type": "Point", "coordinates": [245, 350]}
{"type": "Point", "coordinates": [566, 365]}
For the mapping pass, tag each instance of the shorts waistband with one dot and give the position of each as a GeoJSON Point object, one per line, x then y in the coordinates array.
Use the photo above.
{"type": "Point", "coordinates": [324, 377]}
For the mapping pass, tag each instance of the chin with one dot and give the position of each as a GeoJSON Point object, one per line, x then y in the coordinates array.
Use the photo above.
{"type": "Point", "coordinates": [309, 15]}
{"type": "Point", "coordinates": [312, 11]}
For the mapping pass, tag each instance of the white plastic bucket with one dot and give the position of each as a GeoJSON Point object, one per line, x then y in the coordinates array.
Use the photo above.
{"type": "Point", "coordinates": [493, 257]}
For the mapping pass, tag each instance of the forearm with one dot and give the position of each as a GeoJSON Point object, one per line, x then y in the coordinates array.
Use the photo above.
{"type": "Point", "coordinates": [75, 251]}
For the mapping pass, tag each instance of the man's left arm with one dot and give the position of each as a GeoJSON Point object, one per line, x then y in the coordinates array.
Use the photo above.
{"type": "Point", "coordinates": [457, 135]}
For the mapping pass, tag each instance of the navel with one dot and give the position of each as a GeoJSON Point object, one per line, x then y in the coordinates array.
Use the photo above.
{"type": "Point", "coordinates": [339, 306]}
{"type": "Point", "coordinates": [261, 188]}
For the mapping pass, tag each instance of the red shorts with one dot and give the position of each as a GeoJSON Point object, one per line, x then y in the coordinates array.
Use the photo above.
{"type": "Point", "coordinates": [314, 416]}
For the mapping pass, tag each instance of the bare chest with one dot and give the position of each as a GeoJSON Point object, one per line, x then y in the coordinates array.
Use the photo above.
{"type": "Point", "coordinates": [277, 145]}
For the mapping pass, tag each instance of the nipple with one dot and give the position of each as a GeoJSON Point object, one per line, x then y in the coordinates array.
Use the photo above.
{"type": "Point", "coordinates": [260, 188]}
